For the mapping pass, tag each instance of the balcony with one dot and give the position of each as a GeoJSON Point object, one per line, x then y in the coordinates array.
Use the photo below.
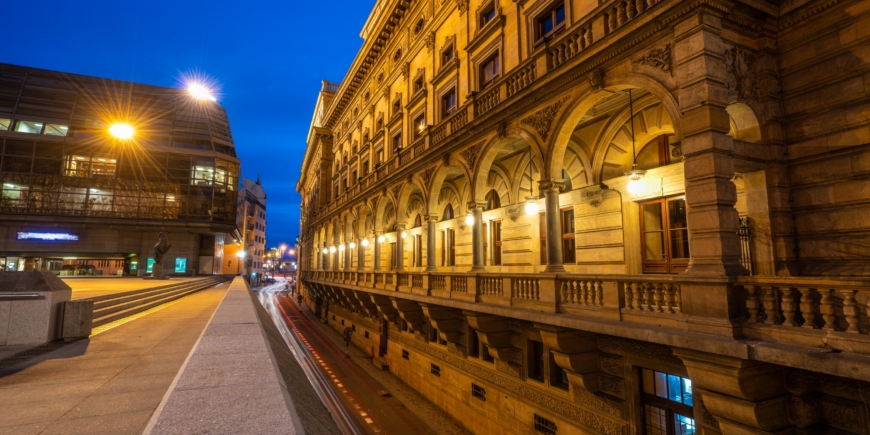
{"type": "Point", "coordinates": [827, 314]}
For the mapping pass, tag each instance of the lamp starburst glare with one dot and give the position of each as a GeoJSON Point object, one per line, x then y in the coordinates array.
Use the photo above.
{"type": "Point", "coordinates": [469, 219]}
{"type": "Point", "coordinates": [122, 131]}
{"type": "Point", "coordinates": [365, 242]}
{"type": "Point", "coordinates": [532, 206]}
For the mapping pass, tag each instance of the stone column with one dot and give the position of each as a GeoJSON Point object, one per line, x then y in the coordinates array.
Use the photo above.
{"type": "Point", "coordinates": [360, 254]}
{"type": "Point", "coordinates": [551, 189]}
{"type": "Point", "coordinates": [476, 209]}
{"type": "Point", "coordinates": [714, 245]}
{"type": "Point", "coordinates": [430, 243]}
{"type": "Point", "coordinates": [347, 256]}
{"type": "Point", "coordinates": [377, 254]}
{"type": "Point", "coordinates": [400, 248]}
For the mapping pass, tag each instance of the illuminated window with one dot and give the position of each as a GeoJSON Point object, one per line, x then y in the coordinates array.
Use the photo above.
{"type": "Point", "coordinates": [28, 127]}
{"type": "Point", "coordinates": [202, 171]}
{"type": "Point", "coordinates": [419, 125]}
{"type": "Point", "coordinates": [4, 124]}
{"type": "Point", "coordinates": [667, 404]}
{"type": "Point", "coordinates": [56, 130]}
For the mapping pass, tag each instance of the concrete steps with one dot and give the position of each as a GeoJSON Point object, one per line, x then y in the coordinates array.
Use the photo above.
{"type": "Point", "coordinates": [117, 306]}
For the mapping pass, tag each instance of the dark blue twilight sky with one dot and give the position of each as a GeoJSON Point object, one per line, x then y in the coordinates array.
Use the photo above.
{"type": "Point", "coordinates": [268, 58]}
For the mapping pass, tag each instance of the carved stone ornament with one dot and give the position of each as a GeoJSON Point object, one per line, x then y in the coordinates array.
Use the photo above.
{"type": "Point", "coordinates": [462, 5]}
{"type": "Point", "coordinates": [395, 191]}
{"type": "Point", "coordinates": [406, 70]}
{"type": "Point", "coordinates": [430, 41]}
{"type": "Point", "coordinates": [514, 212]}
{"type": "Point", "coordinates": [445, 158]}
{"type": "Point", "coordinates": [595, 195]}
{"type": "Point", "coordinates": [542, 120]}
{"type": "Point", "coordinates": [426, 177]}
{"type": "Point", "coordinates": [658, 58]}
{"type": "Point", "coordinates": [470, 155]}
{"type": "Point", "coordinates": [750, 76]}
{"type": "Point", "coordinates": [596, 80]}
{"type": "Point", "coordinates": [545, 185]}
{"type": "Point", "coordinates": [501, 128]}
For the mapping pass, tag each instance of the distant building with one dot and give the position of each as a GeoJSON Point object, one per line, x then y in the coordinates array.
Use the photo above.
{"type": "Point", "coordinates": [93, 169]}
{"type": "Point", "coordinates": [253, 209]}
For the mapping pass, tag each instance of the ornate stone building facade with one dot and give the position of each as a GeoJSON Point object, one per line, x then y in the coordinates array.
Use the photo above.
{"type": "Point", "coordinates": [603, 217]}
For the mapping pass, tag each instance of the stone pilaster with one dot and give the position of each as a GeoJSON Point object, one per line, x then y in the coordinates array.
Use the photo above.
{"type": "Point", "coordinates": [553, 216]}
{"type": "Point", "coordinates": [360, 254]}
{"type": "Point", "coordinates": [476, 209]}
{"type": "Point", "coordinates": [430, 243]}
{"type": "Point", "coordinates": [709, 168]}
{"type": "Point", "coordinates": [400, 248]}
{"type": "Point", "coordinates": [377, 254]}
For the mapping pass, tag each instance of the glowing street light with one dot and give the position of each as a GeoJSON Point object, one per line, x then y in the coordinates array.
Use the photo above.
{"type": "Point", "coordinates": [122, 131]}
{"type": "Point", "coordinates": [352, 245]}
{"type": "Point", "coordinates": [531, 206]}
{"type": "Point", "coordinates": [381, 239]}
{"type": "Point", "coordinates": [200, 92]}
{"type": "Point", "coordinates": [365, 242]}
{"type": "Point", "coordinates": [469, 219]}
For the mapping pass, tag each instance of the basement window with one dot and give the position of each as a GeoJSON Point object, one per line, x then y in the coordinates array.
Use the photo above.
{"type": "Point", "coordinates": [478, 392]}
{"type": "Point", "coordinates": [435, 370]}
{"type": "Point", "coordinates": [544, 426]}
{"type": "Point", "coordinates": [405, 354]}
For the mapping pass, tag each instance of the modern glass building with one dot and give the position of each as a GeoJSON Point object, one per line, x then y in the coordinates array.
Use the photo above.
{"type": "Point", "coordinates": [79, 195]}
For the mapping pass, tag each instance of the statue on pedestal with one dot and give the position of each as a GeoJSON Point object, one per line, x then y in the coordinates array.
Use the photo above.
{"type": "Point", "coordinates": [160, 249]}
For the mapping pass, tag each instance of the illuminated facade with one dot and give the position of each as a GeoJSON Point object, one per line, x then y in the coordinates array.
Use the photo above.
{"type": "Point", "coordinates": [606, 217]}
{"type": "Point", "coordinates": [68, 167]}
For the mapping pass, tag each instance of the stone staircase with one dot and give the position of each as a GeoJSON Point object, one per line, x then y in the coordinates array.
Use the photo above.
{"type": "Point", "coordinates": [116, 306]}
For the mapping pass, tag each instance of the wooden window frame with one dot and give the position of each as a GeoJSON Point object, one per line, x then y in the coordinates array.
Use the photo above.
{"type": "Point", "coordinates": [418, 250]}
{"type": "Point", "coordinates": [451, 248]}
{"type": "Point", "coordinates": [542, 235]}
{"type": "Point", "coordinates": [668, 264]}
{"type": "Point", "coordinates": [550, 14]}
{"type": "Point", "coordinates": [569, 247]}
{"type": "Point", "coordinates": [486, 9]}
{"type": "Point", "coordinates": [494, 57]}
{"type": "Point", "coordinates": [446, 110]}
{"type": "Point", "coordinates": [670, 406]}
{"type": "Point", "coordinates": [535, 363]}
{"type": "Point", "coordinates": [496, 243]}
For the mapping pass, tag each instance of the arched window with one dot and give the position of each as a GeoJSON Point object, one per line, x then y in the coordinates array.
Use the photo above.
{"type": "Point", "coordinates": [568, 185]}
{"type": "Point", "coordinates": [655, 153]}
{"type": "Point", "coordinates": [448, 213]}
{"type": "Point", "coordinates": [418, 221]}
{"type": "Point", "coordinates": [492, 200]}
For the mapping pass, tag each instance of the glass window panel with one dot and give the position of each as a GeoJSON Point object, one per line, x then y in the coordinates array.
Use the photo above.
{"type": "Point", "coordinates": [47, 167]}
{"type": "Point", "coordinates": [17, 164]}
{"type": "Point", "coordinates": [72, 198]}
{"type": "Point", "coordinates": [547, 25]}
{"type": "Point", "coordinates": [19, 148]}
{"type": "Point", "coordinates": [654, 246]}
{"type": "Point", "coordinates": [677, 213]}
{"type": "Point", "coordinates": [661, 384]}
{"type": "Point", "coordinates": [687, 392]}
{"type": "Point", "coordinates": [28, 127]}
{"type": "Point", "coordinates": [649, 385]}
{"type": "Point", "coordinates": [652, 217]}
{"type": "Point", "coordinates": [675, 388]}
{"type": "Point", "coordinates": [680, 243]}
{"type": "Point", "coordinates": [103, 166]}
{"type": "Point", "coordinates": [100, 200]}
{"type": "Point", "coordinates": [656, 422]}
{"type": "Point", "coordinates": [4, 124]}
{"type": "Point", "coordinates": [202, 171]}
{"type": "Point", "coordinates": [77, 166]}
{"type": "Point", "coordinates": [683, 425]}
{"type": "Point", "coordinates": [560, 14]}
{"type": "Point", "coordinates": [56, 130]}
{"type": "Point", "coordinates": [49, 150]}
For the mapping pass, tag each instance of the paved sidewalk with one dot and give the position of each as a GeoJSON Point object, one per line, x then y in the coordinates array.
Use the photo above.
{"type": "Point", "coordinates": [111, 383]}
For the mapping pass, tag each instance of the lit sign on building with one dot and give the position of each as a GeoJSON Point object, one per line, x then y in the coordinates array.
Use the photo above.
{"type": "Point", "coordinates": [32, 235]}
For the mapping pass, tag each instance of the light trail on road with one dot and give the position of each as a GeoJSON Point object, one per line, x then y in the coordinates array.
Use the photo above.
{"type": "Point", "coordinates": [308, 361]}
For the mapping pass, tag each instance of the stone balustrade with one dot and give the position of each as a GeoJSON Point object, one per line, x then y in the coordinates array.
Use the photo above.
{"type": "Point", "coordinates": [824, 313]}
